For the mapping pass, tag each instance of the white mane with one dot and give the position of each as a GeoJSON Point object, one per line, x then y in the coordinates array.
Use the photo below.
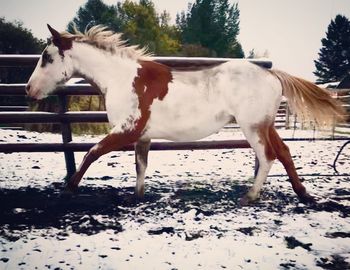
{"type": "Point", "coordinates": [99, 37]}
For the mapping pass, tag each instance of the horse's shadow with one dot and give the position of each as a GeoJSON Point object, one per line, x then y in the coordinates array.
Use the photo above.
{"type": "Point", "coordinates": [94, 209]}
{"type": "Point", "coordinates": [88, 211]}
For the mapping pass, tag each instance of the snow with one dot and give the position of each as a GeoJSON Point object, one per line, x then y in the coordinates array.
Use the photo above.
{"type": "Point", "coordinates": [190, 217]}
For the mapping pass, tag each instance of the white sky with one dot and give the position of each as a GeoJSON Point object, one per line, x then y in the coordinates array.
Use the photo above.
{"type": "Point", "coordinates": [290, 30]}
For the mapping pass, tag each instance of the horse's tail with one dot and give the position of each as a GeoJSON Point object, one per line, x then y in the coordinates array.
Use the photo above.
{"type": "Point", "coordinates": [309, 101]}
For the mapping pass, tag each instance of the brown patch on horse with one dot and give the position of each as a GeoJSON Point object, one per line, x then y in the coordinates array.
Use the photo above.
{"type": "Point", "coordinates": [276, 148]}
{"type": "Point", "coordinates": [151, 83]}
{"type": "Point", "coordinates": [263, 130]}
{"type": "Point", "coordinates": [284, 156]}
{"type": "Point", "coordinates": [110, 143]}
{"type": "Point", "coordinates": [61, 42]}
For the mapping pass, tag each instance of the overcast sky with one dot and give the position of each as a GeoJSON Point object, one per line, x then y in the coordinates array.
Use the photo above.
{"type": "Point", "coordinates": [289, 30]}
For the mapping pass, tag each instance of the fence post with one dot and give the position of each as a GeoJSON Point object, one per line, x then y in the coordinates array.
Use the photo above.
{"type": "Point", "coordinates": [334, 123]}
{"type": "Point", "coordinates": [286, 123]}
{"type": "Point", "coordinates": [66, 137]}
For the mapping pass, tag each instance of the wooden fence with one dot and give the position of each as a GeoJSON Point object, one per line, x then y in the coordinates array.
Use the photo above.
{"type": "Point", "coordinates": [344, 96]}
{"type": "Point", "coordinates": [65, 117]}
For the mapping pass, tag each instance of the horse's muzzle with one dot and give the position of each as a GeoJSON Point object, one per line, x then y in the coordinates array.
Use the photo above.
{"type": "Point", "coordinates": [32, 92]}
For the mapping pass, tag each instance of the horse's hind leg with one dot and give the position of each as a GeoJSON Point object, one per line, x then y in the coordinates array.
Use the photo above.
{"type": "Point", "coordinates": [258, 138]}
{"type": "Point", "coordinates": [141, 156]}
{"type": "Point", "coordinates": [284, 156]}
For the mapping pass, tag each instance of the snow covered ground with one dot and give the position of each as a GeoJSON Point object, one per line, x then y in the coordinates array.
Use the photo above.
{"type": "Point", "coordinates": [190, 217]}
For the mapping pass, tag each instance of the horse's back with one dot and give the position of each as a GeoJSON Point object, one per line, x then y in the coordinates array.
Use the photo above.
{"type": "Point", "coordinates": [200, 103]}
{"type": "Point", "coordinates": [256, 93]}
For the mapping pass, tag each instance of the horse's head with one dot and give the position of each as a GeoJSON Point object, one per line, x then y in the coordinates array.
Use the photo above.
{"type": "Point", "coordinates": [54, 66]}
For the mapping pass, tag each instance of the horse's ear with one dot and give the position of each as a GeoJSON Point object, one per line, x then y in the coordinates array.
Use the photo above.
{"type": "Point", "coordinates": [54, 33]}
{"type": "Point", "coordinates": [63, 43]}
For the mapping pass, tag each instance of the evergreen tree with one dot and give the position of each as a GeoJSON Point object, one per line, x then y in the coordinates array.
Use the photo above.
{"type": "Point", "coordinates": [139, 23]}
{"type": "Point", "coordinates": [334, 56]}
{"type": "Point", "coordinates": [212, 24]}
{"type": "Point", "coordinates": [95, 12]}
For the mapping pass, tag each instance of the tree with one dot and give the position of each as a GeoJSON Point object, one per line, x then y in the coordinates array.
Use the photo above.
{"type": "Point", "coordinates": [16, 39]}
{"type": "Point", "coordinates": [95, 12]}
{"type": "Point", "coordinates": [142, 25]}
{"type": "Point", "coordinates": [333, 63]}
{"type": "Point", "coordinates": [139, 23]}
{"type": "Point", "coordinates": [212, 24]}
{"type": "Point", "coordinates": [170, 36]}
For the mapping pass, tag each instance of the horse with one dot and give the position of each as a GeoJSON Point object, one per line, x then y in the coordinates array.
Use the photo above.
{"type": "Point", "coordinates": [146, 100]}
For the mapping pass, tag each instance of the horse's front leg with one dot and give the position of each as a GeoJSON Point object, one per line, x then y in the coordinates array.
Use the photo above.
{"type": "Point", "coordinates": [141, 156]}
{"type": "Point", "coordinates": [110, 143]}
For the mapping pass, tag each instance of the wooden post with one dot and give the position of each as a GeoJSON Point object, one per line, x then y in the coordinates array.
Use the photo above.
{"type": "Point", "coordinates": [286, 123]}
{"type": "Point", "coordinates": [66, 138]}
{"type": "Point", "coordinates": [294, 124]}
{"type": "Point", "coordinates": [333, 127]}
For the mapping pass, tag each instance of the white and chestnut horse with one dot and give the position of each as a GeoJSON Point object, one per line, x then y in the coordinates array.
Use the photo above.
{"type": "Point", "coordinates": [146, 100]}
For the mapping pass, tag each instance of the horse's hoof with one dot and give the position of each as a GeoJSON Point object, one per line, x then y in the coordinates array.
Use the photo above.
{"type": "Point", "coordinates": [140, 193]}
{"type": "Point", "coordinates": [139, 197]}
{"type": "Point", "coordinates": [307, 198]}
{"type": "Point", "coordinates": [70, 189]}
{"type": "Point", "coordinates": [245, 201]}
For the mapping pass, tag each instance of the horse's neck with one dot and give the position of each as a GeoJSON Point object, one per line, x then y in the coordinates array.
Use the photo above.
{"type": "Point", "coordinates": [100, 68]}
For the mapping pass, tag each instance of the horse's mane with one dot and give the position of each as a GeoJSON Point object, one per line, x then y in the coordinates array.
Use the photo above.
{"type": "Point", "coordinates": [100, 37]}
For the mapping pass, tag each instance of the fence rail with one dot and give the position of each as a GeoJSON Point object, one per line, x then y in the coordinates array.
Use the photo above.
{"type": "Point", "coordinates": [48, 117]}
{"type": "Point", "coordinates": [155, 146]}
{"type": "Point", "coordinates": [67, 90]}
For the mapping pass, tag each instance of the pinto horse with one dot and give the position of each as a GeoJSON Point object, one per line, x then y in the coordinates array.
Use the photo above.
{"type": "Point", "coordinates": [146, 100]}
